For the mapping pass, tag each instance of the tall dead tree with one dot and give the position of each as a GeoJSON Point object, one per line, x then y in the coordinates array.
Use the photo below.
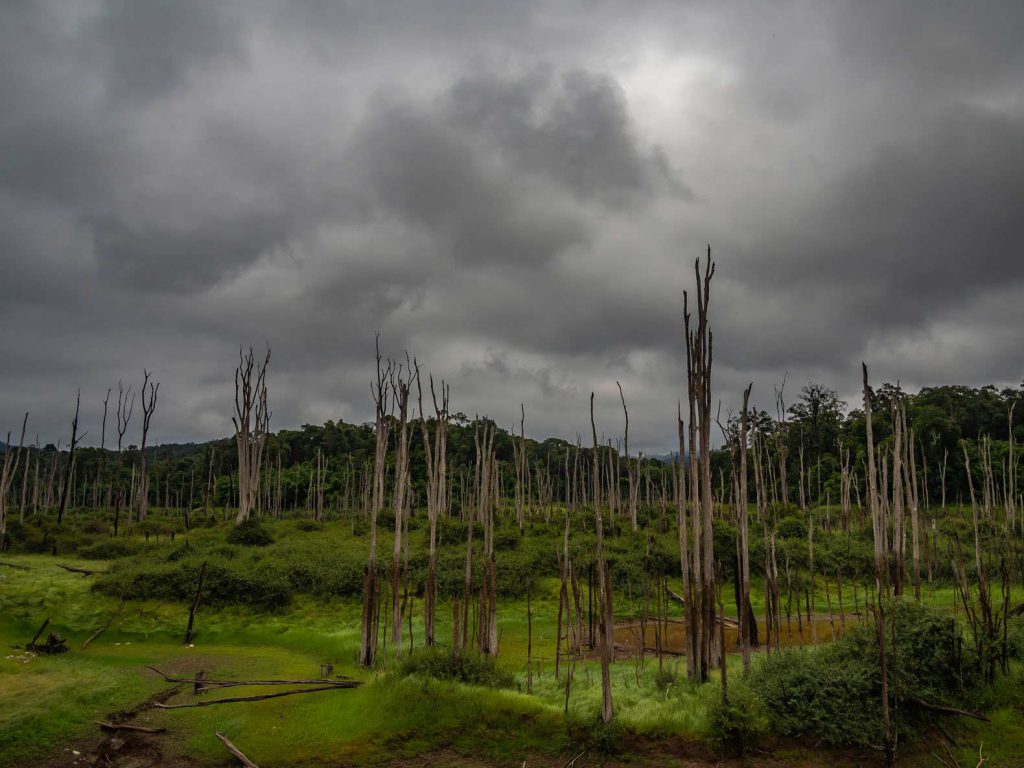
{"type": "Point", "coordinates": [631, 470]}
{"type": "Point", "coordinates": [698, 367]}
{"type": "Point", "coordinates": [435, 453]}
{"type": "Point", "coordinates": [882, 584]}
{"type": "Point", "coordinates": [780, 441]}
{"type": "Point", "coordinates": [252, 421]}
{"type": "Point", "coordinates": [745, 612]}
{"type": "Point", "coordinates": [381, 392]}
{"type": "Point", "coordinates": [10, 466]}
{"type": "Point", "coordinates": [75, 440]}
{"type": "Point", "coordinates": [149, 394]}
{"type": "Point", "coordinates": [684, 552]}
{"type": "Point", "coordinates": [606, 627]}
{"type": "Point", "coordinates": [401, 386]}
{"type": "Point", "coordinates": [101, 464]}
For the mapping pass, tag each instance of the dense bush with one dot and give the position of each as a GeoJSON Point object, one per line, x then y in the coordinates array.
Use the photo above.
{"type": "Point", "coordinates": [254, 584]}
{"type": "Point", "coordinates": [474, 670]}
{"type": "Point", "coordinates": [737, 721]}
{"type": "Point", "coordinates": [109, 549]}
{"type": "Point", "coordinates": [834, 691]}
{"type": "Point", "coordinates": [249, 533]}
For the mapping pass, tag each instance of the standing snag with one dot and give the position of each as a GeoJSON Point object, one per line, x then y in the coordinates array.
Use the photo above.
{"type": "Point", "coordinates": [251, 420]}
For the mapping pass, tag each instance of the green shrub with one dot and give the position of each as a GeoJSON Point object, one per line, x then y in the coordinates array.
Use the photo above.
{"type": "Point", "coordinates": [464, 669]}
{"type": "Point", "coordinates": [736, 722]}
{"type": "Point", "coordinates": [249, 533]}
{"type": "Point", "coordinates": [596, 737]}
{"type": "Point", "coordinates": [109, 549]}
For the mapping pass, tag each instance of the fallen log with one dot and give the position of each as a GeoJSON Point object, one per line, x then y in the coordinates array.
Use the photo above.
{"type": "Point", "coordinates": [235, 751]}
{"type": "Point", "coordinates": [16, 566]}
{"type": "Point", "coordinates": [942, 710]}
{"type": "Point", "coordinates": [39, 631]}
{"type": "Point", "coordinates": [98, 632]}
{"type": "Point", "coordinates": [195, 604]}
{"type": "Point", "coordinates": [54, 644]}
{"type": "Point", "coordinates": [340, 682]}
{"type": "Point", "coordinates": [260, 697]}
{"type": "Point", "coordinates": [75, 569]}
{"type": "Point", "coordinates": [114, 727]}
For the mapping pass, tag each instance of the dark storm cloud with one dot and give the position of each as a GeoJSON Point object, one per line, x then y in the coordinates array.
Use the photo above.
{"type": "Point", "coordinates": [514, 192]}
{"type": "Point", "coordinates": [147, 49]}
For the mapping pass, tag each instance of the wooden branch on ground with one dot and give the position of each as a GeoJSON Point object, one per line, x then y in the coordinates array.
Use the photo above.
{"type": "Point", "coordinates": [195, 604]}
{"type": "Point", "coordinates": [207, 683]}
{"type": "Point", "coordinates": [235, 751]}
{"type": "Point", "coordinates": [16, 566]}
{"type": "Point", "coordinates": [114, 727]}
{"type": "Point", "coordinates": [99, 631]}
{"type": "Point", "coordinates": [75, 569]}
{"type": "Point", "coordinates": [260, 697]}
{"type": "Point", "coordinates": [945, 710]}
{"type": "Point", "coordinates": [39, 631]}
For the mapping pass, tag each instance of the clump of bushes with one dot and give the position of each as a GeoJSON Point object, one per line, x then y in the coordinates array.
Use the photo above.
{"type": "Point", "coordinates": [833, 691]}
{"type": "Point", "coordinates": [736, 721]}
{"type": "Point", "coordinates": [249, 533]}
{"type": "Point", "coordinates": [596, 737]}
{"type": "Point", "coordinates": [463, 669]}
{"type": "Point", "coordinates": [255, 584]}
{"type": "Point", "coordinates": [109, 549]}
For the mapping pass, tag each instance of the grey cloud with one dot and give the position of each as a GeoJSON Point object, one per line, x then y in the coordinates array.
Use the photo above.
{"type": "Point", "coordinates": [512, 192]}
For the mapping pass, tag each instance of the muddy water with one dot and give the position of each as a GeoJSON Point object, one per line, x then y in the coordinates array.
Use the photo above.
{"type": "Point", "coordinates": [673, 634]}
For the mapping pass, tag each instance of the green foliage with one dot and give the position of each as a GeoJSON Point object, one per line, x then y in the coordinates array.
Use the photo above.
{"type": "Point", "coordinates": [834, 691]}
{"type": "Point", "coordinates": [792, 527]}
{"type": "Point", "coordinates": [249, 533]}
{"type": "Point", "coordinates": [473, 670]}
{"type": "Point", "coordinates": [596, 737]}
{"type": "Point", "coordinates": [109, 549]}
{"type": "Point", "coordinates": [736, 722]}
{"type": "Point", "coordinates": [256, 584]}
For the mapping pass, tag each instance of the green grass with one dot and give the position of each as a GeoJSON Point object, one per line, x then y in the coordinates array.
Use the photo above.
{"type": "Point", "coordinates": [47, 701]}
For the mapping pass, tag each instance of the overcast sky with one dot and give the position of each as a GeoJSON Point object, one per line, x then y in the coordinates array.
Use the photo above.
{"type": "Point", "coordinates": [514, 192]}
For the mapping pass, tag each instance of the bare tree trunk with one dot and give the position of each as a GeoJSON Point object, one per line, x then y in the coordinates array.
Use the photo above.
{"type": "Point", "coordinates": [10, 466]}
{"type": "Point", "coordinates": [371, 588]}
{"type": "Point", "coordinates": [634, 487]}
{"type": "Point", "coordinates": [881, 576]}
{"type": "Point", "coordinates": [401, 386]}
{"type": "Point", "coordinates": [251, 420]}
{"type": "Point", "coordinates": [149, 394]}
{"type": "Point", "coordinates": [603, 589]}
{"type": "Point", "coordinates": [71, 461]}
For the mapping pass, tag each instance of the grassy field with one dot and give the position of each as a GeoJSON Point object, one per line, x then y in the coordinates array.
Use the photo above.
{"type": "Point", "coordinates": [49, 705]}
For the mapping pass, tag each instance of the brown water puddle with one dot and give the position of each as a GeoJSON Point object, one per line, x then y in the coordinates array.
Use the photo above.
{"type": "Point", "coordinates": [671, 637]}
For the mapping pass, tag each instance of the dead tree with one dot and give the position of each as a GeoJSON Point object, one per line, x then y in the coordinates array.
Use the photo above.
{"type": "Point", "coordinates": [10, 466]}
{"type": "Point", "coordinates": [435, 454]}
{"type": "Point", "coordinates": [252, 421]}
{"type": "Point", "coordinates": [101, 464]}
{"type": "Point", "coordinates": [634, 486]}
{"type": "Point", "coordinates": [882, 587]}
{"type": "Point", "coordinates": [125, 407]}
{"type": "Point", "coordinates": [698, 366]}
{"type": "Point", "coordinates": [684, 552]}
{"type": "Point", "coordinates": [401, 386]}
{"type": "Point", "coordinates": [607, 630]}
{"type": "Point", "coordinates": [149, 394]}
{"type": "Point", "coordinates": [745, 611]}
{"type": "Point", "coordinates": [75, 440]}
{"type": "Point", "coordinates": [381, 392]}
